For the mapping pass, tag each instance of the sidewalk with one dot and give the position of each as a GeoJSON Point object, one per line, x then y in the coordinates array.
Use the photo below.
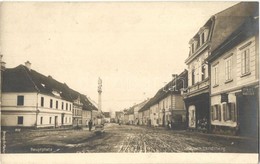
{"type": "Point", "coordinates": [229, 137]}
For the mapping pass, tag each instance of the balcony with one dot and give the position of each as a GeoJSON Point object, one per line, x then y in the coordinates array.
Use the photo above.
{"type": "Point", "coordinates": [198, 86]}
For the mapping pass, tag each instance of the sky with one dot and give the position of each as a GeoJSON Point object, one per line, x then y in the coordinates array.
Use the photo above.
{"type": "Point", "coordinates": [134, 47]}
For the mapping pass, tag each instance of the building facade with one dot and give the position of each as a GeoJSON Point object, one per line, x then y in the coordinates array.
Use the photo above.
{"type": "Point", "coordinates": [30, 99]}
{"type": "Point", "coordinates": [167, 106]}
{"type": "Point", "coordinates": [234, 69]}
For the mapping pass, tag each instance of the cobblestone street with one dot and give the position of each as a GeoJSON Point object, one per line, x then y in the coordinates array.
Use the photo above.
{"type": "Point", "coordinates": [122, 139]}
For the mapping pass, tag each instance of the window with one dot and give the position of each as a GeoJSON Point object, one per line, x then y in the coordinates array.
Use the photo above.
{"type": "Point", "coordinates": [66, 106]}
{"type": "Point", "coordinates": [57, 104]}
{"type": "Point", "coordinates": [203, 72]}
{"type": "Point", "coordinates": [20, 100]}
{"type": "Point", "coordinates": [215, 75]}
{"type": "Point", "coordinates": [70, 107]}
{"type": "Point", "coordinates": [50, 120]}
{"type": "Point", "coordinates": [202, 38]}
{"type": "Point", "coordinates": [229, 112]}
{"type": "Point", "coordinates": [245, 62]}
{"type": "Point", "coordinates": [51, 103]}
{"type": "Point", "coordinates": [65, 119]}
{"type": "Point", "coordinates": [228, 63]}
{"type": "Point", "coordinates": [193, 76]}
{"type": "Point", "coordinates": [20, 120]}
{"type": "Point", "coordinates": [41, 120]}
{"type": "Point", "coordinates": [192, 48]}
{"type": "Point", "coordinates": [216, 112]}
{"type": "Point", "coordinates": [62, 105]}
{"type": "Point", "coordinates": [42, 101]}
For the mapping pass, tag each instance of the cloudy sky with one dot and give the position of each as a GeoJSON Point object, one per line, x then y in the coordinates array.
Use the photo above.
{"type": "Point", "coordinates": [133, 47]}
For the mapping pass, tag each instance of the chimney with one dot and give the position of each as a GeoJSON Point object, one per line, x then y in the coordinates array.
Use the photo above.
{"type": "Point", "coordinates": [28, 65]}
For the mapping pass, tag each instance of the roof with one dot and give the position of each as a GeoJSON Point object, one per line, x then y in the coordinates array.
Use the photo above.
{"type": "Point", "coordinates": [21, 79]}
{"type": "Point", "coordinates": [229, 20]}
{"type": "Point", "coordinates": [163, 92]}
{"type": "Point", "coordinates": [249, 28]}
{"type": "Point", "coordinates": [130, 110]}
{"type": "Point", "coordinates": [224, 23]}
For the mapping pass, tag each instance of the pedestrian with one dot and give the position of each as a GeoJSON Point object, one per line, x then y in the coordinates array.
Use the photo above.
{"type": "Point", "coordinates": [90, 125]}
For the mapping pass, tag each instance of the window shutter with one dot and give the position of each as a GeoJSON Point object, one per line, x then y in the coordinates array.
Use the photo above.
{"type": "Point", "coordinates": [219, 112]}
{"type": "Point", "coordinates": [233, 113]}
{"type": "Point", "coordinates": [225, 111]}
{"type": "Point", "coordinates": [212, 113]}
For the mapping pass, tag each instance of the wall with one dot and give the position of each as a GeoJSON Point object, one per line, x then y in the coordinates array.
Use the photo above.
{"type": "Point", "coordinates": [196, 64]}
{"type": "Point", "coordinates": [238, 81]}
{"type": "Point", "coordinates": [11, 119]}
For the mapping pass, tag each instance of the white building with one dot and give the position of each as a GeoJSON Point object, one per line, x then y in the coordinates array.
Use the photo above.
{"type": "Point", "coordinates": [234, 66]}
{"type": "Point", "coordinates": [30, 99]}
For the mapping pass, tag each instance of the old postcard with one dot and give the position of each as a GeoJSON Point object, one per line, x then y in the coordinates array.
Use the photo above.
{"type": "Point", "coordinates": [129, 82]}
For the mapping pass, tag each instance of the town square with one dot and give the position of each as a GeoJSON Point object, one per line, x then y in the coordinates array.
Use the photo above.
{"type": "Point", "coordinates": [115, 77]}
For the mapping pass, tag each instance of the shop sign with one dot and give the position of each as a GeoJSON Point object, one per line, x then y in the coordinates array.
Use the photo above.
{"type": "Point", "coordinates": [248, 91]}
{"type": "Point", "coordinates": [224, 97]}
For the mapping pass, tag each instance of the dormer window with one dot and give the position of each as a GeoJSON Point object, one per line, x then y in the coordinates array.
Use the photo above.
{"type": "Point", "coordinates": [202, 38]}
{"type": "Point", "coordinates": [203, 35]}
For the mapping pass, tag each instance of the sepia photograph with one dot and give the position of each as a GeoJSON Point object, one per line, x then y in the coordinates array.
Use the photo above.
{"type": "Point", "coordinates": [129, 82]}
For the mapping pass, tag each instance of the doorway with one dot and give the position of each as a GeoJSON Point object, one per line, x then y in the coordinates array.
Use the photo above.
{"type": "Point", "coordinates": [247, 115]}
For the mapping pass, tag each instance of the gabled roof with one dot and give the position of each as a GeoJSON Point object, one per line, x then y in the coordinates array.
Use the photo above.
{"type": "Point", "coordinates": [224, 23]}
{"type": "Point", "coordinates": [229, 20]}
{"type": "Point", "coordinates": [163, 92]}
{"type": "Point", "coordinates": [87, 105]}
{"type": "Point", "coordinates": [130, 111]}
{"type": "Point", "coordinates": [249, 28]}
{"type": "Point", "coordinates": [21, 79]}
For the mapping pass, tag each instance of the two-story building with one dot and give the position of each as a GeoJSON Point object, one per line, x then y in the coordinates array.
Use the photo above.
{"type": "Point", "coordinates": [87, 109]}
{"type": "Point", "coordinates": [167, 106]}
{"type": "Point", "coordinates": [137, 107]}
{"type": "Point", "coordinates": [214, 32]}
{"type": "Point", "coordinates": [234, 66]}
{"type": "Point", "coordinates": [30, 99]}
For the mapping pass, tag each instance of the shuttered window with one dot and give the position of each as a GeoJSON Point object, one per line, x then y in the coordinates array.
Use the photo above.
{"type": "Point", "coordinates": [229, 112]}
{"type": "Point", "coordinates": [233, 112]}
{"type": "Point", "coordinates": [219, 112]}
{"type": "Point", "coordinates": [216, 112]}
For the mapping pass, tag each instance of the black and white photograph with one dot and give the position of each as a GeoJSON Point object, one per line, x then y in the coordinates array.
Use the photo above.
{"type": "Point", "coordinates": [130, 82]}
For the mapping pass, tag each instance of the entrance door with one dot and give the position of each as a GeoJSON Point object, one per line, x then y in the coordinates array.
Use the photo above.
{"type": "Point", "coordinates": [247, 112]}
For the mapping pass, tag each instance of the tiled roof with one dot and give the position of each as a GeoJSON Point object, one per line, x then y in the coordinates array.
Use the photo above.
{"type": "Point", "coordinates": [249, 28]}
{"type": "Point", "coordinates": [21, 79]}
{"type": "Point", "coordinates": [161, 93]}
{"type": "Point", "coordinates": [229, 20]}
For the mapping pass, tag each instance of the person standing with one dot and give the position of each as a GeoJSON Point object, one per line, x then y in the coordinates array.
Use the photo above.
{"type": "Point", "coordinates": [90, 125]}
